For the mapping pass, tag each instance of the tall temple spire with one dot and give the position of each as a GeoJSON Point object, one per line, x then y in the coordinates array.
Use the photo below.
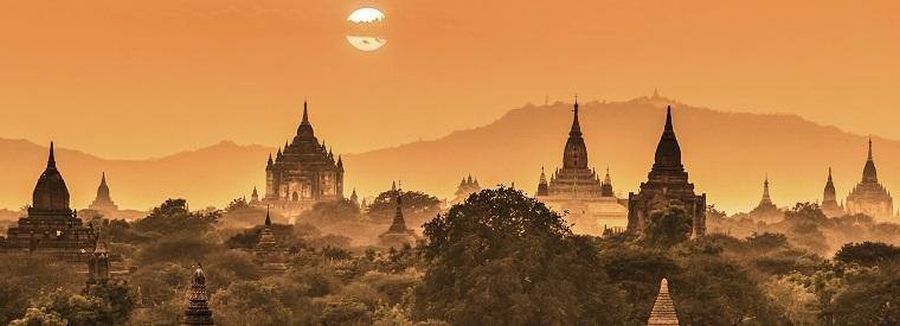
{"type": "Point", "coordinates": [870, 174]}
{"type": "Point", "coordinates": [829, 195]}
{"type": "Point", "coordinates": [576, 126]}
{"type": "Point", "coordinates": [663, 312]}
{"type": "Point", "coordinates": [766, 199]}
{"type": "Point", "coordinates": [51, 159]}
{"type": "Point", "coordinates": [668, 152]}
{"type": "Point", "coordinates": [305, 129]}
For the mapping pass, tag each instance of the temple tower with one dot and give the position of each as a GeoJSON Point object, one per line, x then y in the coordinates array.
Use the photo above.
{"type": "Point", "coordinates": [51, 226]}
{"type": "Point", "coordinates": [869, 197]}
{"type": "Point", "coordinates": [667, 186]}
{"type": "Point", "coordinates": [577, 189]}
{"type": "Point", "coordinates": [103, 203]}
{"type": "Point", "coordinates": [766, 209]}
{"type": "Point", "coordinates": [304, 172]}
{"type": "Point", "coordinates": [830, 206]}
{"type": "Point", "coordinates": [197, 312]}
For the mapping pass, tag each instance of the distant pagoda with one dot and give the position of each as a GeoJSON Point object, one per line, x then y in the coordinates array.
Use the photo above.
{"type": "Point", "coordinates": [869, 197]}
{"type": "Point", "coordinates": [663, 312]}
{"type": "Point", "coordinates": [268, 254]}
{"type": "Point", "coordinates": [667, 185]}
{"type": "Point", "coordinates": [398, 234]}
{"type": "Point", "coordinates": [197, 312]}
{"type": "Point", "coordinates": [304, 173]}
{"type": "Point", "coordinates": [51, 226]}
{"type": "Point", "coordinates": [103, 203]}
{"type": "Point", "coordinates": [467, 186]}
{"type": "Point", "coordinates": [830, 206]}
{"type": "Point", "coordinates": [577, 189]}
{"type": "Point", "coordinates": [766, 210]}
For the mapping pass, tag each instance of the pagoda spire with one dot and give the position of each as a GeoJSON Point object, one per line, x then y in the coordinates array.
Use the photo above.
{"type": "Point", "coordinates": [765, 197]}
{"type": "Point", "coordinates": [576, 126]}
{"type": "Point", "coordinates": [305, 129]}
{"type": "Point", "coordinates": [268, 218]}
{"type": "Point", "coordinates": [870, 173]}
{"type": "Point", "coordinates": [51, 159]}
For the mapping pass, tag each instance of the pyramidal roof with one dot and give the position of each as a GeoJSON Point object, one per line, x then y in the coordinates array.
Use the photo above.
{"type": "Point", "coordinates": [663, 312]}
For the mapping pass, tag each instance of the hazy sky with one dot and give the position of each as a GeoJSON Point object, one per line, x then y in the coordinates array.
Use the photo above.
{"type": "Point", "coordinates": [133, 79]}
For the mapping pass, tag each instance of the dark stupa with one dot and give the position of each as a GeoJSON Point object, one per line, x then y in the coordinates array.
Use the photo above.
{"type": "Point", "coordinates": [667, 185]}
{"type": "Point", "coordinates": [51, 226]}
{"type": "Point", "coordinates": [197, 312]}
{"type": "Point", "coordinates": [398, 234]}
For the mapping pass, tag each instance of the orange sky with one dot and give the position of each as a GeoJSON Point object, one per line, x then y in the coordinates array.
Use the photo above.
{"type": "Point", "coordinates": [134, 79]}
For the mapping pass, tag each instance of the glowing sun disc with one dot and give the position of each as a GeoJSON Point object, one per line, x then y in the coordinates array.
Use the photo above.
{"type": "Point", "coordinates": [365, 15]}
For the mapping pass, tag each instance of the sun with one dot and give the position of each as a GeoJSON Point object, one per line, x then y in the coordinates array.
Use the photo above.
{"type": "Point", "coordinates": [365, 15]}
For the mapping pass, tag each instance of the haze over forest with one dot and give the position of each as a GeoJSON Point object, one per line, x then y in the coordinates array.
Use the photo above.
{"type": "Point", "coordinates": [727, 154]}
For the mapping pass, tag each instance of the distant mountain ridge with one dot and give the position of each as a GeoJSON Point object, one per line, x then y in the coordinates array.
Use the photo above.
{"type": "Point", "coordinates": [727, 155]}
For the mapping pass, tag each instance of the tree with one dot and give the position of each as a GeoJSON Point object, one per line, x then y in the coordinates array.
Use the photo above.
{"type": "Point", "coordinates": [39, 317]}
{"type": "Point", "coordinates": [326, 213]}
{"type": "Point", "coordinates": [668, 228]}
{"type": "Point", "coordinates": [173, 216]}
{"type": "Point", "coordinates": [868, 253]}
{"type": "Point", "coordinates": [416, 206]}
{"type": "Point", "coordinates": [503, 258]}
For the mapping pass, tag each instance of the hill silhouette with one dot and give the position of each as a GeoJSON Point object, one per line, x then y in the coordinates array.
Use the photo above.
{"type": "Point", "coordinates": [727, 155]}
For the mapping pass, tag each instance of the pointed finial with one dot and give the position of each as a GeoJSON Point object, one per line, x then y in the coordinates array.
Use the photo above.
{"type": "Point", "coordinates": [305, 113]}
{"type": "Point", "coordinates": [870, 147]}
{"type": "Point", "coordinates": [669, 118]}
{"type": "Point", "coordinates": [51, 160]}
{"type": "Point", "coordinates": [268, 218]}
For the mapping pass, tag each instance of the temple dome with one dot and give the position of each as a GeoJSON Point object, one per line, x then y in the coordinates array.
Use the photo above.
{"type": "Point", "coordinates": [51, 192]}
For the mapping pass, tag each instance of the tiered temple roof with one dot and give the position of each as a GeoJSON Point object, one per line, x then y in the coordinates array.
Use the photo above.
{"type": "Point", "coordinates": [667, 185]}
{"type": "Point", "coordinates": [870, 197]}
{"type": "Point", "coordinates": [51, 226]}
{"type": "Point", "coordinates": [103, 202]}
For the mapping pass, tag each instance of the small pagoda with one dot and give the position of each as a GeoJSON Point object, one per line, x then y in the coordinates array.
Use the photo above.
{"type": "Point", "coordinates": [268, 254]}
{"type": "Point", "coordinates": [398, 234]}
{"type": "Point", "coordinates": [663, 312]}
{"type": "Point", "coordinates": [197, 312]}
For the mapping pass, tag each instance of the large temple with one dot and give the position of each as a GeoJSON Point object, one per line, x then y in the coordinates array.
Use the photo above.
{"type": "Point", "coordinates": [766, 209]}
{"type": "Point", "coordinates": [869, 197]}
{"type": "Point", "coordinates": [304, 173]}
{"type": "Point", "coordinates": [667, 185]}
{"type": "Point", "coordinates": [830, 206]}
{"type": "Point", "coordinates": [51, 226]}
{"type": "Point", "coordinates": [577, 189]}
{"type": "Point", "coordinates": [103, 203]}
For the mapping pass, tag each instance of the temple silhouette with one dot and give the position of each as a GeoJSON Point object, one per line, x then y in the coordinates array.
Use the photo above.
{"type": "Point", "coordinates": [303, 173]}
{"type": "Point", "coordinates": [667, 186]}
{"type": "Point", "coordinates": [577, 189]}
